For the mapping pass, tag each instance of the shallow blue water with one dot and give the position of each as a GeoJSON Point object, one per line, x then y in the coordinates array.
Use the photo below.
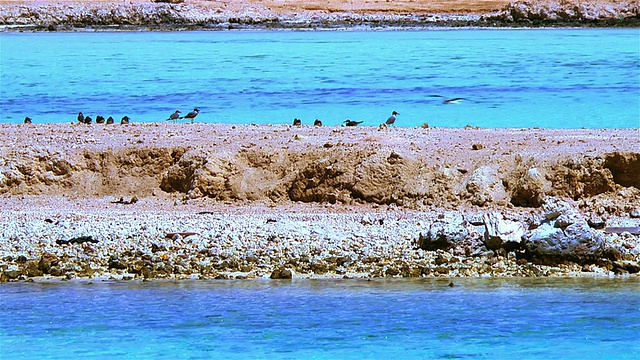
{"type": "Point", "coordinates": [552, 78]}
{"type": "Point", "coordinates": [348, 319]}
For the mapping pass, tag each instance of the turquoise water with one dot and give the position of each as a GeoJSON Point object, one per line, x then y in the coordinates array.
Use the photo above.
{"type": "Point", "coordinates": [323, 319]}
{"type": "Point", "coordinates": [551, 78]}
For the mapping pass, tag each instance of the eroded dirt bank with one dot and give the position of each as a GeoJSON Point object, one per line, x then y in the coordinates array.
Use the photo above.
{"type": "Point", "coordinates": [414, 168]}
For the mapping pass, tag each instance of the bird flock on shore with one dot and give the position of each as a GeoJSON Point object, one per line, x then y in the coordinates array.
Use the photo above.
{"type": "Point", "coordinates": [192, 115]}
{"type": "Point", "coordinates": [176, 115]}
{"type": "Point", "coordinates": [390, 121]}
{"type": "Point", "coordinates": [99, 119]}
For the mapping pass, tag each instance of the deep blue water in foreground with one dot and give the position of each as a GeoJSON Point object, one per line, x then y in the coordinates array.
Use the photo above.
{"type": "Point", "coordinates": [323, 319]}
{"type": "Point", "coordinates": [550, 78]}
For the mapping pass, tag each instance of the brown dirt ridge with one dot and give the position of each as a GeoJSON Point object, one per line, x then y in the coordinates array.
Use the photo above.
{"type": "Point", "coordinates": [403, 166]}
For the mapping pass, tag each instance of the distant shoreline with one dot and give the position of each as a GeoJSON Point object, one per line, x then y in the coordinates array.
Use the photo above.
{"type": "Point", "coordinates": [212, 15]}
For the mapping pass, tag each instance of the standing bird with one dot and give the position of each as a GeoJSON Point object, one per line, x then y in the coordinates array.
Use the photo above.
{"type": "Point", "coordinates": [27, 120]}
{"type": "Point", "coordinates": [88, 119]}
{"type": "Point", "coordinates": [297, 122]}
{"type": "Point", "coordinates": [110, 120]}
{"type": "Point", "coordinates": [352, 123]}
{"type": "Point", "coordinates": [317, 123]}
{"type": "Point", "coordinates": [192, 115]}
{"type": "Point", "coordinates": [125, 120]}
{"type": "Point", "coordinates": [392, 118]}
{"type": "Point", "coordinates": [80, 117]}
{"type": "Point", "coordinates": [174, 116]}
{"type": "Point", "coordinates": [99, 119]}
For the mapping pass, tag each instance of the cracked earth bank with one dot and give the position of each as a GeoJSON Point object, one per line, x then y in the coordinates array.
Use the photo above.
{"type": "Point", "coordinates": [160, 200]}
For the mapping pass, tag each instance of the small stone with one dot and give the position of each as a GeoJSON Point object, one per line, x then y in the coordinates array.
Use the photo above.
{"type": "Point", "coordinates": [281, 273]}
{"type": "Point", "coordinates": [115, 263]}
{"type": "Point", "coordinates": [443, 258]}
{"type": "Point", "coordinates": [630, 266]}
{"type": "Point", "coordinates": [46, 262]}
{"type": "Point", "coordinates": [11, 273]}
{"type": "Point", "coordinates": [367, 220]}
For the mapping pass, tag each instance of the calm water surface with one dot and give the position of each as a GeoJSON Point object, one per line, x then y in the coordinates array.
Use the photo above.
{"type": "Point", "coordinates": [551, 78]}
{"type": "Point", "coordinates": [320, 319]}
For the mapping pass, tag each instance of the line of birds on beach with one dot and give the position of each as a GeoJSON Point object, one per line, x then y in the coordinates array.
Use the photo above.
{"type": "Point", "coordinates": [99, 119]}
{"type": "Point", "coordinates": [125, 119]}
{"type": "Point", "coordinates": [192, 115]}
{"type": "Point", "coordinates": [390, 121]}
{"type": "Point", "coordinates": [176, 115]}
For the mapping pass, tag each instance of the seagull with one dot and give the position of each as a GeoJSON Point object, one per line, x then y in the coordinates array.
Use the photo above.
{"type": "Point", "coordinates": [453, 101]}
{"type": "Point", "coordinates": [192, 115]}
{"type": "Point", "coordinates": [125, 120]}
{"type": "Point", "coordinates": [352, 123]}
{"type": "Point", "coordinates": [297, 122]}
{"type": "Point", "coordinates": [99, 119]}
{"type": "Point", "coordinates": [88, 120]}
{"type": "Point", "coordinates": [174, 116]}
{"type": "Point", "coordinates": [80, 117]}
{"type": "Point", "coordinates": [27, 120]}
{"type": "Point", "coordinates": [392, 118]}
{"type": "Point", "coordinates": [317, 123]}
{"type": "Point", "coordinates": [110, 120]}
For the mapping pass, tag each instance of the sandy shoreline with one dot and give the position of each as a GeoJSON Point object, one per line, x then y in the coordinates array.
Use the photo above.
{"type": "Point", "coordinates": [283, 201]}
{"type": "Point", "coordinates": [66, 15]}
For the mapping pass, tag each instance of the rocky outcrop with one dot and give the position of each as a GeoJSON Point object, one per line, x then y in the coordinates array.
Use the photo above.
{"type": "Point", "coordinates": [577, 177]}
{"type": "Point", "coordinates": [626, 266]}
{"type": "Point", "coordinates": [485, 186]}
{"type": "Point", "coordinates": [530, 188]}
{"type": "Point", "coordinates": [563, 234]}
{"type": "Point", "coordinates": [450, 232]}
{"type": "Point", "coordinates": [624, 168]}
{"type": "Point", "coordinates": [581, 177]}
{"type": "Point", "coordinates": [501, 233]}
{"type": "Point", "coordinates": [566, 12]}
{"type": "Point", "coordinates": [281, 272]}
